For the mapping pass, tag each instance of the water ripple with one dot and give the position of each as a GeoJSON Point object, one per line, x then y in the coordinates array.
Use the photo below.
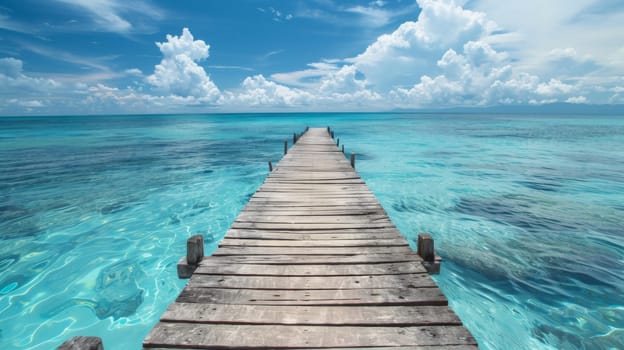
{"type": "Point", "coordinates": [526, 212]}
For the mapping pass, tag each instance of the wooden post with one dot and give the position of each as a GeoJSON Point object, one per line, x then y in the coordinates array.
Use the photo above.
{"type": "Point", "coordinates": [294, 138]}
{"type": "Point", "coordinates": [194, 255]}
{"type": "Point", "coordinates": [353, 160]}
{"type": "Point", "coordinates": [425, 247]}
{"type": "Point", "coordinates": [338, 142]}
{"type": "Point", "coordinates": [328, 130]}
{"type": "Point", "coordinates": [82, 343]}
{"type": "Point", "coordinates": [342, 149]}
{"type": "Point", "coordinates": [332, 134]}
{"type": "Point", "coordinates": [307, 128]}
{"type": "Point", "coordinates": [195, 249]}
{"type": "Point", "coordinates": [285, 147]}
{"type": "Point", "coordinates": [426, 250]}
{"type": "Point", "coordinates": [270, 166]}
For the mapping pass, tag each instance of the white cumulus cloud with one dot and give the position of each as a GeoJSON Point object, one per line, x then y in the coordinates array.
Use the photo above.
{"type": "Point", "coordinates": [577, 99]}
{"type": "Point", "coordinates": [345, 80]}
{"type": "Point", "coordinates": [13, 81]}
{"type": "Point", "coordinates": [480, 76]}
{"type": "Point", "coordinates": [178, 73]}
{"type": "Point", "coordinates": [258, 91]}
{"type": "Point", "coordinates": [340, 90]}
{"type": "Point", "coordinates": [412, 50]}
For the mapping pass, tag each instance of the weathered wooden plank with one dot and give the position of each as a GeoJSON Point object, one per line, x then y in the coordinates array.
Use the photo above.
{"type": "Point", "coordinates": [320, 205]}
{"type": "Point", "coordinates": [414, 280]}
{"type": "Point", "coordinates": [316, 179]}
{"type": "Point", "coordinates": [302, 204]}
{"type": "Point", "coordinates": [309, 226]}
{"type": "Point", "coordinates": [398, 242]}
{"type": "Point", "coordinates": [313, 222]}
{"type": "Point", "coordinates": [231, 250]}
{"type": "Point", "coordinates": [300, 167]}
{"type": "Point", "coordinates": [420, 347]}
{"type": "Point", "coordinates": [312, 153]}
{"type": "Point", "coordinates": [322, 188]}
{"type": "Point", "coordinates": [323, 193]}
{"type": "Point", "coordinates": [312, 191]}
{"type": "Point", "coordinates": [314, 259]}
{"type": "Point", "coordinates": [398, 316]}
{"type": "Point", "coordinates": [316, 212]}
{"type": "Point", "coordinates": [216, 268]}
{"type": "Point", "coordinates": [327, 297]}
{"type": "Point", "coordinates": [301, 182]}
{"type": "Point", "coordinates": [316, 182]}
{"type": "Point", "coordinates": [296, 236]}
{"type": "Point", "coordinates": [311, 207]}
{"type": "Point", "coordinates": [274, 186]}
{"type": "Point", "coordinates": [249, 217]}
{"type": "Point", "coordinates": [316, 198]}
{"type": "Point", "coordinates": [278, 336]}
{"type": "Point", "coordinates": [279, 174]}
{"type": "Point", "coordinates": [319, 197]}
{"type": "Point", "coordinates": [337, 231]}
{"type": "Point", "coordinates": [315, 202]}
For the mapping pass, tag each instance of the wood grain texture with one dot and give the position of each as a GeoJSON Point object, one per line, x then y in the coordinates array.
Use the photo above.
{"type": "Point", "coordinates": [278, 336]}
{"type": "Point", "coordinates": [234, 269]}
{"type": "Point", "coordinates": [295, 250]}
{"type": "Point", "coordinates": [414, 280]}
{"type": "Point", "coordinates": [315, 259]}
{"type": "Point", "coordinates": [312, 262]}
{"type": "Point", "coordinates": [312, 297]}
{"type": "Point", "coordinates": [420, 347]}
{"type": "Point", "coordinates": [315, 244]}
{"type": "Point", "coordinates": [306, 237]}
{"type": "Point", "coordinates": [399, 316]}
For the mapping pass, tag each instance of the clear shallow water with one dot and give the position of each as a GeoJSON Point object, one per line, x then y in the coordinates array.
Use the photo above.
{"type": "Point", "coordinates": [527, 212]}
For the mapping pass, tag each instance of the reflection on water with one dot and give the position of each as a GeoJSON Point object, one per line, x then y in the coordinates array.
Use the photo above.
{"type": "Point", "coordinates": [526, 211]}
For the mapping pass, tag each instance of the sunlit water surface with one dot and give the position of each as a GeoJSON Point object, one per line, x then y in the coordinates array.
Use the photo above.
{"type": "Point", "coordinates": [527, 212]}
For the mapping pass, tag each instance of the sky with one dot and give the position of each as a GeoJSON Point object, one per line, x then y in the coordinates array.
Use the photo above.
{"type": "Point", "coordinates": [116, 56]}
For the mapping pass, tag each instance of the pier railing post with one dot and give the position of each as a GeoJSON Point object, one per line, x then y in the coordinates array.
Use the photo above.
{"type": "Point", "coordinates": [426, 250]}
{"type": "Point", "coordinates": [270, 166]}
{"type": "Point", "coordinates": [332, 134]}
{"type": "Point", "coordinates": [195, 249]}
{"type": "Point", "coordinates": [342, 149]}
{"type": "Point", "coordinates": [294, 138]}
{"type": "Point", "coordinates": [353, 160]}
{"type": "Point", "coordinates": [338, 142]}
{"type": "Point", "coordinates": [285, 147]}
{"type": "Point", "coordinates": [194, 255]}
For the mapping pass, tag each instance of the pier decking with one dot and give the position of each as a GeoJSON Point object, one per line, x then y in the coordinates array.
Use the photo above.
{"type": "Point", "coordinates": [313, 261]}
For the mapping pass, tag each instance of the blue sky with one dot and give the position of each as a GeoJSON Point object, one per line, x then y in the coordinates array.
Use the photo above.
{"type": "Point", "coordinates": [115, 56]}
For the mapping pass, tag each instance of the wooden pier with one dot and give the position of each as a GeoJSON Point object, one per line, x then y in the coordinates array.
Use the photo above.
{"type": "Point", "coordinates": [312, 262]}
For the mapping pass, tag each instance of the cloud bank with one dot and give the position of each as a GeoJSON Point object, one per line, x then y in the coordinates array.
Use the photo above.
{"type": "Point", "coordinates": [448, 56]}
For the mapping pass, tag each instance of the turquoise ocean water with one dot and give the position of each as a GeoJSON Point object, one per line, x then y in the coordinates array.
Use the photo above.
{"type": "Point", "coordinates": [527, 212]}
